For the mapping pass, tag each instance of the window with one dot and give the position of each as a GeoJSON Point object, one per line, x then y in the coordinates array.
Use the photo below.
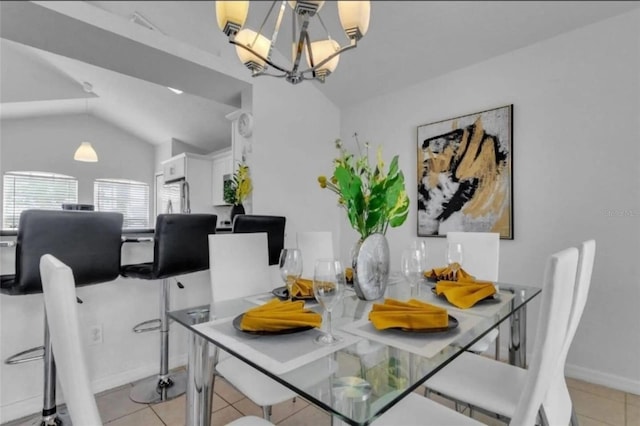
{"type": "Point", "coordinates": [128, 197]}
{"type": "Point", "coordinates": [35, 190]}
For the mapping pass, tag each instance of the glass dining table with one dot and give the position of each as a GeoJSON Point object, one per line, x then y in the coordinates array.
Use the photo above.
{"type": "Point", "coordinates": [368, 371]}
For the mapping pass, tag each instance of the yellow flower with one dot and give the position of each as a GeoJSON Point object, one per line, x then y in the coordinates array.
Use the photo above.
{"type": "Point", "coordinates": [323, 181]}
{"type": "Point", "coordinates": [241, 185]}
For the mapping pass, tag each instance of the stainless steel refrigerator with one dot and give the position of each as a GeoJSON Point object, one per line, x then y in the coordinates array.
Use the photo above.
{"type": "Point", "coordinates": [184, 186]}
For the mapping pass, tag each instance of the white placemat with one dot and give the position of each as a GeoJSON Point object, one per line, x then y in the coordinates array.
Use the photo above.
{"type": "Point", "coordinates": [423, 344]}
{"type": "Point", "coordinates": [275, 353]}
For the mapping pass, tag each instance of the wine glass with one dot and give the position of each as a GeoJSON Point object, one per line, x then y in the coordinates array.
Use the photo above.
{"type": "Point", "coordinates": [328, 287]}
{"type": "Point", "coordinates": [412, 267]}
{"type": "Point", "coordinates": [290, 267]}
{"type": "Point", "coordinates": [421, 244]}
{"type": "Point", "coordinates": [455, 256]}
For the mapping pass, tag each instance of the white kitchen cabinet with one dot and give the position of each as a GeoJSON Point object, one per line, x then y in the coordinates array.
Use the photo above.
{"type": "Point", "coordinates": [222, 170]}
{"type": "Point", "coordinates": [174, 169]}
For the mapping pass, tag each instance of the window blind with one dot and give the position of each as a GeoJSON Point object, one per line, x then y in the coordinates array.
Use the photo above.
{"type": "Point", "coordinates": [35, 190]}
{"type": "Point", "coordinates": [128, 197]}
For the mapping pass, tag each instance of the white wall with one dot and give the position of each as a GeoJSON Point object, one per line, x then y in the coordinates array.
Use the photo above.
{"type": "Point", "coordinates": [48, 143]}
{"type": "Point", "coordinates": [295, 127]}
{"type": "Point", "coordinates": [576, 153]}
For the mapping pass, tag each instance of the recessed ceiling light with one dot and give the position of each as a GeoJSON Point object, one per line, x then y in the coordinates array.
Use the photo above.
{"type": "Point", "coordinates": [176, 91]}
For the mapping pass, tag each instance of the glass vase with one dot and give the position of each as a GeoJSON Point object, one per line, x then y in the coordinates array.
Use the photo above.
{"type": "Point", "coordinates": [370, 262]}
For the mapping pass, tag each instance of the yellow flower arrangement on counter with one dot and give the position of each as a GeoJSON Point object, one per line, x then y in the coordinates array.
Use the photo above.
{"type": "Point", "coordinates": [240, 186]}
{"type": "Point", "coordinates": [373, 199]}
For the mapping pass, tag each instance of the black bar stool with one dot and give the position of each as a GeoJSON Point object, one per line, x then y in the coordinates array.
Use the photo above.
{"type": "Point", "coordinates": [180, 246]}
{"type": "Point", "coordinates": [272, 225]}
{"type": "Point", "coordinates": [89, 242]}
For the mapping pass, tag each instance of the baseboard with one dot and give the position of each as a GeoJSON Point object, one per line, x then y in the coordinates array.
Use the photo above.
{"type": "Point", "coordinates": [599, 378]}
{"type": "Point", "coordinates": [33, 405]}
{"type": "Point", "coordinates": [586, 374]}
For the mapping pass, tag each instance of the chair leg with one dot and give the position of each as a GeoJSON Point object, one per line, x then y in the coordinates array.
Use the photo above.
{"type": "Point", "coordinates": [497, 357]}
{"type": "Point", "coordinates": [164, 386]}
{"type": "Point", "coordinates": [266, 412]}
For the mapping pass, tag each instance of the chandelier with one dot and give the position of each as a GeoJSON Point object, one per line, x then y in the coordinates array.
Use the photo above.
{"type": "Point", "coordinates": [254, 48]}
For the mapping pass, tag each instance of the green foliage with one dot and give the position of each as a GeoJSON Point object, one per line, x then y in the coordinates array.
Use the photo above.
{"type": "Point", "coordinates": [373, 199]}
{"type": "Point", "coordinates": [239, 187]}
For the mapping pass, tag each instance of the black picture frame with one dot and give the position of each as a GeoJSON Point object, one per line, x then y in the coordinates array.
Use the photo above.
{"type": "Point", "coordinates": [465, 174]}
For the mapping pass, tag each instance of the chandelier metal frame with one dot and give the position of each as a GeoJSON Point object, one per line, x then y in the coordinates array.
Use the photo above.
{"type": "Point", "coordinates": [302, 12]}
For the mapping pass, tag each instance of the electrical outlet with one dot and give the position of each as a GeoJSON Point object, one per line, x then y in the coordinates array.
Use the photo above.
{"type": "Point", "coordinates": [95, 334]}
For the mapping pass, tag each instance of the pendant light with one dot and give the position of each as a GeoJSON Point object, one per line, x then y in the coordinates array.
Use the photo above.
{"type": "Point", "coordinates": [85, 151]}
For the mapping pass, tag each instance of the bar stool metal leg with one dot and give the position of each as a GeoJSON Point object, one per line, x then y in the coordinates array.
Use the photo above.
{"type": "Point", "coordinates": [50, 415]}
{"type": "Point", "coordinates": [164, 386]}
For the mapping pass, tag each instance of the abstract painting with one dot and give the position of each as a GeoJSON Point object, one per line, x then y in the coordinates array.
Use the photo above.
{"type": "Point", "coordinates": [465, 175]}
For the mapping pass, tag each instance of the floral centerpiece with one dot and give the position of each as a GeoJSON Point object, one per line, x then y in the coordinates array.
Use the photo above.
{"type": "Point", "coordinates": [373, 199]}
{"type": "Point", "coordinates": [238, 189]}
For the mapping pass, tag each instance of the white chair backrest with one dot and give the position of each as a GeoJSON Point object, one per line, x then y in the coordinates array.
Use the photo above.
{"type": "Point", "coordinates": [553, 320]}
{"type": "Point", "coordinates": [557, 403]}
{"type": "Point", "coordinates": [480, 253]}
{"type": "Point", "coordinates": [583, 283]}
{"type": "Point", "coordinates": [239, 265]}
{"type": "Point", "coordinates": [58, 287]}
{"type": "Point", "coordinates": [314, 246]}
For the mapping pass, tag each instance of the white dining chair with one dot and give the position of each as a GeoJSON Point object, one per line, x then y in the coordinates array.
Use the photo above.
{"type": "Point", "coordinates": [466, 377]}
{"type": "Point", "coordinates": [481, 258]}
{"type": "Point", "coordinates": [239, 267]}
{"type": "Point", "coordinates": [557, 404]}
{"type": "Point", "coordinates": [553, 321]}
{"type": "Point", "coordinates": [314, 246]}
{"type": "Point", "coordinates": [58, 287]}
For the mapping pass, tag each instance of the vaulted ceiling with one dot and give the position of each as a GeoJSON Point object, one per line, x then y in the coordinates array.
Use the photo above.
{"type": "Point", "coordinates": [407, 42]}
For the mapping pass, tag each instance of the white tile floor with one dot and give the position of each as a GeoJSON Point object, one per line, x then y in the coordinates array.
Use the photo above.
{"type": "Point", "coordinates": [595, 405]}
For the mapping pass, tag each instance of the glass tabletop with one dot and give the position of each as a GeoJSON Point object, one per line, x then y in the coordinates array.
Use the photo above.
{"type": "Point", "coordinates": [370, 370]}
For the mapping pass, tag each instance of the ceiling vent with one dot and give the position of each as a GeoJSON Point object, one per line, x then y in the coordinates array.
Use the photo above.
{"type": "Point", "coordinates": [137, 18]}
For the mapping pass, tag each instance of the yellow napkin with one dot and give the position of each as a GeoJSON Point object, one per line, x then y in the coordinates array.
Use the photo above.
{"type": "Point", "coordinates": [447, 273]}
{"type": "Point", "coordinates": [276, 315]}
{"type": "Point", "coordinates": [302, 288]}
{"type": "Point", "coordinates": [413, 315]}
{"type": "Point", "coordinates": [465, 294]}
